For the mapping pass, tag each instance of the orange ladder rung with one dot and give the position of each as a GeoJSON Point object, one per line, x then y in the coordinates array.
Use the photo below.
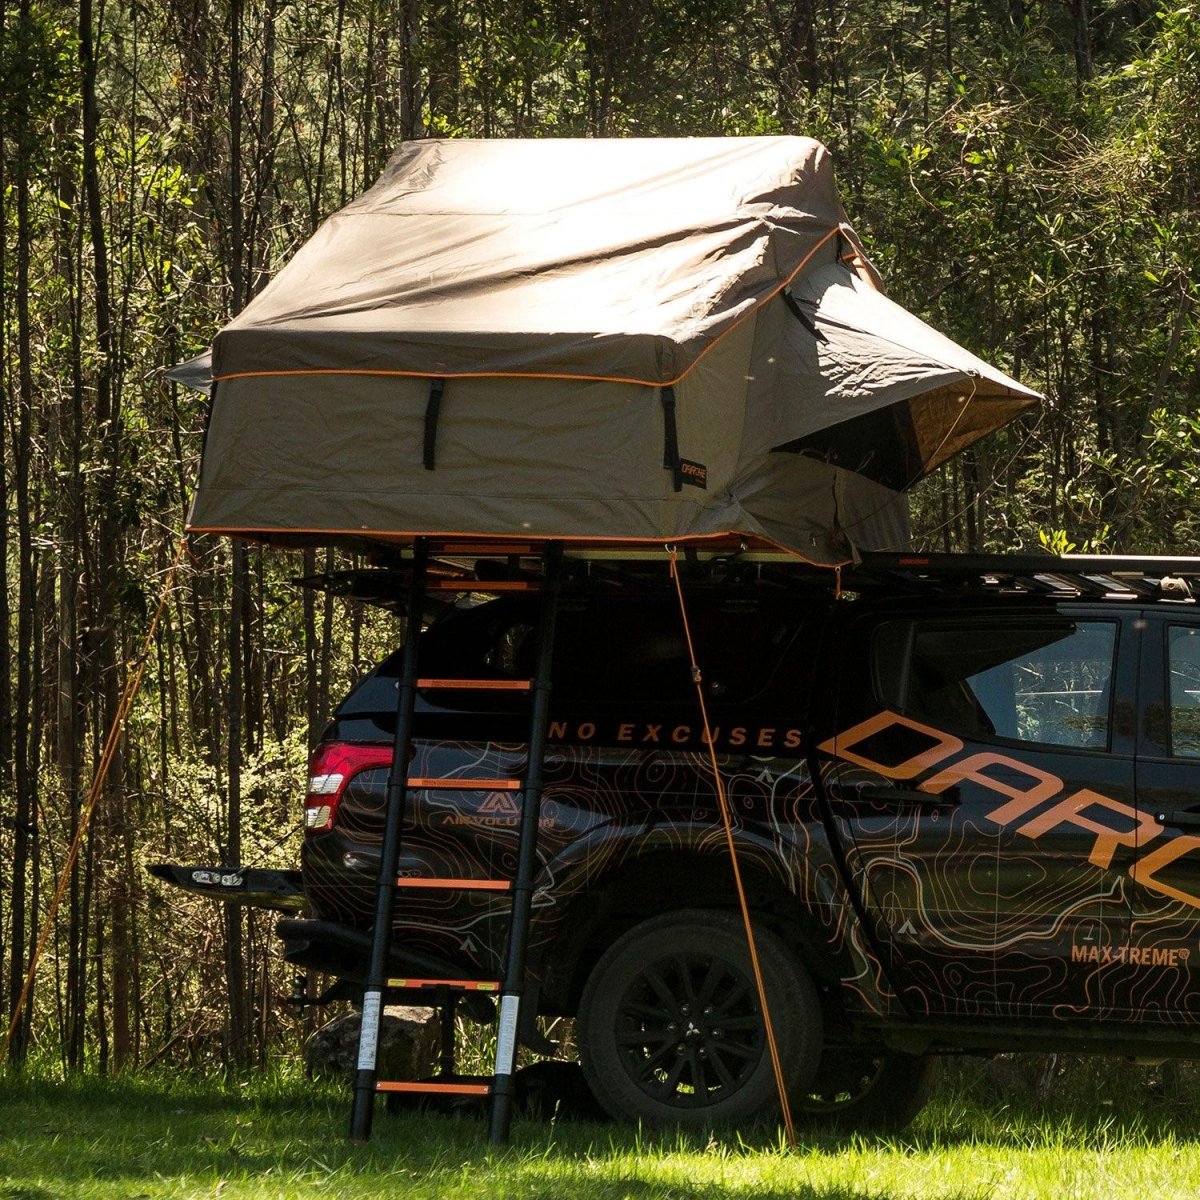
{"type": "Point", "coordinates": [462, 985]}
{"type": "Point", "coordinates": [466, 885]}
{"type": "Point", "coordinates": [434, 1089]}
{"type": "Point", "coordinates": [465, 785]}
{"type": "Point", "coordinates": [484, 585]}
{"type": "Point", "coordinates": [495, 549]}
{"type": "Point", "coordinates": [479, 685]}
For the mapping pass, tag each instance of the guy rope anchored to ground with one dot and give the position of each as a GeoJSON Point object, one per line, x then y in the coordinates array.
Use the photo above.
{"type": "Point", "coordinates": [132, 683]}
{"type": "Point", "coordinates": [727, 821]}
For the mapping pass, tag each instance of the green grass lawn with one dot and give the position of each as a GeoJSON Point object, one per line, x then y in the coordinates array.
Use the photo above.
{"type": "Point", "coordinates": [179, 1137]}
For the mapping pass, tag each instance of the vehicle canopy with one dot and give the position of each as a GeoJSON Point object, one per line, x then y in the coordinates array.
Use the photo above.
{"type": "Point", "coordinates": [598, 340]}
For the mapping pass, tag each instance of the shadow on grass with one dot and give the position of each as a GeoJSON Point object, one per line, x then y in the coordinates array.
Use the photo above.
{"type": "Point", "coordinates": [64, 1138]}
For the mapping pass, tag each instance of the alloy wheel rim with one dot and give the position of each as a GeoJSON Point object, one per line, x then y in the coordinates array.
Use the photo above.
{"type": "Point", "coordinates": [688, 1030]}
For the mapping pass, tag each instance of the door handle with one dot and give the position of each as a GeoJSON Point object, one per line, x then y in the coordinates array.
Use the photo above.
{"type": "Point", "coordinates": [1181, 820]}
{"type": "Point", "coordinates": [886, 794]}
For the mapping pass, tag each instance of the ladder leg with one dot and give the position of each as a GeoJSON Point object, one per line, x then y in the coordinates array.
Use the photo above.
{"type": "Point", "coordinates": [446, 1061]}
{"type": "Point", "coordinates": [514, 970]}
{"type": "Point", "coordinates": [397, 791]}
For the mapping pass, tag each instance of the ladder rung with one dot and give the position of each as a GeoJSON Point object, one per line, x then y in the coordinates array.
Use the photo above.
{"type": "Point", "coordinates": [465, 785]}
{"type": "Point", "coordinates": [434, 1089]}
{"type": "Point", "coordinates": [497, 549]}
{"type": "Point", "coordinates": [462, 985]}
{"type": "Point", "coordinates": [466, 885]}
{"type": "Point", "coordinates": [479, 685]}
{"type": "Point", "coordinates": [483, 585]}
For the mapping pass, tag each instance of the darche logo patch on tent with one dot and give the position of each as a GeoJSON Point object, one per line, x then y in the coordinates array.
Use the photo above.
{"type": "Point", "coordinates": [694, 473]}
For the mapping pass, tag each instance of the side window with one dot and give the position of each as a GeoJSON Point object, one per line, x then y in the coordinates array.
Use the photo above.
{"type": "Point", "coordinates": [1183, 671]}
{"type": "Point", "coordinates": [1041, 679]}
{"type": "Point", "coordinates": [511, 654]}
{"type": "Point", "coordinates": [633, 650]}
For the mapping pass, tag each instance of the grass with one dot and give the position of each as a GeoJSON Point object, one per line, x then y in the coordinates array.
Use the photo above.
{"type": "Point", "coordinates": [282, 1138]}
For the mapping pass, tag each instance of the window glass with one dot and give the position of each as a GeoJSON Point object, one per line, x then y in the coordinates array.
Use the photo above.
{"type": "Point", "coordinates": [629, 649]}
{"type": "Point", "coordinates": [622, 649]}
{"type": "Point", "coordinates": [1044, 679]}
{"type": "Point", "coordinates": [1183, 666]}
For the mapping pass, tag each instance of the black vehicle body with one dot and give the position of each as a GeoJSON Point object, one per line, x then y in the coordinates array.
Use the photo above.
{"type": "Point", "coordinates": [968, 808]}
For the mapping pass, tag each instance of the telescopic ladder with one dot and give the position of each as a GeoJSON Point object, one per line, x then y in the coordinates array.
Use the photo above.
{"type": "Point", "coordinates": [499, 1086]}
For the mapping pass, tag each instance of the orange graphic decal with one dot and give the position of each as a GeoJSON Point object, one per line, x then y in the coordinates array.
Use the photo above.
{"type": "Point", "coordinates": [946, 745]}
{"type": "Point", "coordinates": [1042, 787]}
{"type": "Point", "coordinates": [1144, 870]}
{"type": "Point", "coordinates": [1069, 812]}
{"type": "Point", "coordinates": [1022, 800]}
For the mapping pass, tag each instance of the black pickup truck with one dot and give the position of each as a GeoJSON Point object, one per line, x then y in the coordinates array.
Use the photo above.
{"type": "Point", "coordinates": [966, 798]}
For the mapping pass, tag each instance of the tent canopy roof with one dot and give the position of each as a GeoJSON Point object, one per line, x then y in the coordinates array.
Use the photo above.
{"type": "Point", "coordinates": [595, 340]}
{"type": "Point", "coordinates": [620, 259]}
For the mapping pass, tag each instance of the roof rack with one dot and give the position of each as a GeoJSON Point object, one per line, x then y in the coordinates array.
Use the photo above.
{"type": "Point", "coordinates": [1087, 576]}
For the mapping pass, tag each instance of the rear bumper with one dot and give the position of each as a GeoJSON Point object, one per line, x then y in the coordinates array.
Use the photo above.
{"type": "Point", "coordinates": [345, 952]}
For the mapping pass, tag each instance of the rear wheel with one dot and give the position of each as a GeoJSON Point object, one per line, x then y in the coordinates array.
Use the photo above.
{"type": "Point", "coordinates": [860, 1090]}
{"type": "Point", "coordinates": [670, 1030]}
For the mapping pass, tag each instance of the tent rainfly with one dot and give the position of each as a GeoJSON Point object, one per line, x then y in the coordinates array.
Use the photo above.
{"type": "Point", "coordinates": [622, 342]}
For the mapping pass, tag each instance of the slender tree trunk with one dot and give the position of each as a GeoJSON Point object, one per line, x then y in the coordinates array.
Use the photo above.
{"type": "Point", "coordinates": [109, 552]}
{"type": "Point", "coordinates": [22, 459]}
{"type": "Point", "coordinates": [235, 974]}
{"type": "Point", "coordinates": [410, 116]}
{"type": "Point", "coordinates": [72, 521]}
{"type": "Point", "coordinates": [311, 681]}
{"type": "Point", "coordinates": [326, 648]}
{"type": "Point", "coordinates": [6, 708]}
{"type": "Point", "coordinates": [1081, 34]}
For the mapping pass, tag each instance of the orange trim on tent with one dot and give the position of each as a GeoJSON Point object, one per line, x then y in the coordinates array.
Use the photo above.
{"type": "Point", "coordinates": [502, 542]}
{"type": "Point", "coordinates": [548, 375]}
{"type": "Point", "coordinates": [859, 263]}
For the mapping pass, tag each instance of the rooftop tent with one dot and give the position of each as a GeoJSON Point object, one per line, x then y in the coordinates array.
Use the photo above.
{"type": "Point", "coordinates": [605, 341]}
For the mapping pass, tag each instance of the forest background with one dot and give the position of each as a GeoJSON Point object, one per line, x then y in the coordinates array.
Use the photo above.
{"type": "Point", "coordinates": [1024, 173]}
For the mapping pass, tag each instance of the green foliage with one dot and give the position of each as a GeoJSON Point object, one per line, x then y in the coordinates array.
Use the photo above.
{"type": "Point", "coordinates": [37, 57]}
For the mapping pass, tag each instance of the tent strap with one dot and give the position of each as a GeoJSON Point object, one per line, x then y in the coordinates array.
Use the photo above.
{"type": "Point", "coordinates": [671, 437]}
{"type": "Point", "coordinates": [801, 316]}
{"type": "Point", "coordinates": [433, 408]}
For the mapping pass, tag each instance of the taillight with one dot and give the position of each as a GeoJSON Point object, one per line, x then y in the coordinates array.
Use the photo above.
{"type": "Point", "coordinates": [333, 765]}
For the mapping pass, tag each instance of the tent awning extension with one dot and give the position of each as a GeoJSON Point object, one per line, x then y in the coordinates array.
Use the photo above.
{"type": "Point", "coordinates": [620, 341]}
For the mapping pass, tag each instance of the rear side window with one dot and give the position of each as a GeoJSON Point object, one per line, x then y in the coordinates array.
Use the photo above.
{"type": "Point", "coordinates": [621, 650]}
{"type": "Point", "coordinates": [1183, 667]}
{"type": "Point", "coordinates": [628, 650]}
{"type": "Point", "coordinates": [1043, 679]}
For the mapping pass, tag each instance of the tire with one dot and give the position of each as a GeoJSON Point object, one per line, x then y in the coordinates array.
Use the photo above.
{"type": "Point", "coordinates": [648, 1040]}
{"type": "Point", "coordinates": [879, 1093]}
